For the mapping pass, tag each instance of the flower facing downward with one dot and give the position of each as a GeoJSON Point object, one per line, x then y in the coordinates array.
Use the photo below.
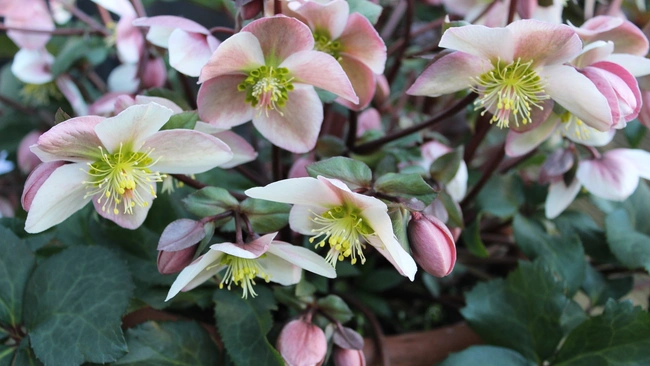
{"type": "Point", "coordinates": [332, 215]}
{"type": "Point", "coordinates": [116, 163]}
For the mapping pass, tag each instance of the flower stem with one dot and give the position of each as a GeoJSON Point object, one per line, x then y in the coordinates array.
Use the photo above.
{"type": "Point", "coordinates": [352, 130]}
{"type": "Point", "coordinates": [489, 171]}
{"type": "Point", "coordinates": [392, 73]}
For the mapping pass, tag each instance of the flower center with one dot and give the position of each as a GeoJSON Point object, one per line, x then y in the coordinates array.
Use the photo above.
{"type": "Point", "coordinates": [323, 43]}
{"type": "Point", "coordinates": [120, 178]}
{"type": "Point", "coordinates": [342, 228]}
{"type": "Point", "coordinates": [242, 272]}
{"type": "Point", "coordinates": [574, 127]}
{"type": "Point", "coordinates": [510, 90]}
{"type": "Point", "coordinates": [267, 88]}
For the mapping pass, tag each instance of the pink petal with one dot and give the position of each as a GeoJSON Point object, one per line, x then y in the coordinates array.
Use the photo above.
{"type": "Point", "coordinates": [32, 66]}
{"type": "Point", "coordinates": [576, 93]}
{"type": "Point", "coordinates": [30, 15]}
{"type": "Point", "coordinates": [69, 89]}
{"type": "Point", "coordinates": [544, 43]}
{"type": "Point", "coordinates": [35, 180]}
{"type": "Point", "coordinates": [242, 151]}
{"type": "Point", "coordinates": [143, 99]}
{"type": "Point", "coordinates": [129, 40]}
{"type": "Point", "coordinates": [639, 158]}
{"type": "Point", "coordinates": [181, 234]}
{"type": "Point", "coordinates": [321, 70]}
{"type": "Point", "coordinates": [241, 53]}
{"type": "Point", "coordinates": [126, 220]}
{"type": "Point", "coordinates": [370, 119]}
{"type": "Point", "coordinates": [303, 258]}
{"type": "Point", "coordinates": [155, 73]}
{"type": "Point", "coordinates": [609, 177]}
{"type": "Point", "coordinates": [26, 159]}
{"type": "Point", "coordinates": [123, 8]}
{"type": "Point", "coordinates": [626, 88]}
{"type": "Point", "coordinates": [61, 195]}
{"type": "Point", "coordinates": [560, 197]}
{"type": "Point", "coordinates": [280, 37]}
{"type": "Point", "coordinates": [449, 74]}
{"type": "Point", "coordinates": [297, 128]}
{"type": "Point", "coordinates": [71, 140]}
{"type": "Point", "coordinates": [196, 273]}
{"type": "Point", "coordinates": [106, 104]}
{"type": "Point", "coordinates": [361, 41]}
{"type": "Point", "coordinates": [481, 41]}
{"type": "Point", "coordinates": [221, 104]}
{"type": "Point", "coordinates": [162, 26]}
{"type": "Point", "coordinates": [301, 191]}
{"type": "Point", "coordinates": [636, 65]}
{"type": "Point", "coordinates": [627, 37]}
{"type": "Point", "coordinates": [328, 19]}
{"type": "Point", "coordinates": [518, 144]}
{"type": "Point", "coordinates": [250, 250]}
{"type": "Point", "coordinates": [592, 53]}
{"type": "Point", "coordinates": [188, 52]}
{"type": "Point", "coordinates": [186, 151]}
{"type": "Point", "coordinates": [362, 80]}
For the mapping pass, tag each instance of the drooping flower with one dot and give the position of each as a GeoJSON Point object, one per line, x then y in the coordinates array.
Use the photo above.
{"type": "Point", "coordinates": [128, 39]}
{"type": "Point", "coordinates": [515, 70]}
{"type": "Point", "coordinates": [26, 159]}
{"type": "Point", "coordinates": [263, 257]}
{"type": "Point", "coordinates": [350, 39]}
{"type": "Point", "coordinates": [27, 14]}
{"type": "Point", "coordinates": [267, 73]}
{"type": "Point", "coordinates": [327, 211]}
{"type": "Point", "coordinates": [116, 163]}
{"type": "Point", "coordinates": [457, 186]}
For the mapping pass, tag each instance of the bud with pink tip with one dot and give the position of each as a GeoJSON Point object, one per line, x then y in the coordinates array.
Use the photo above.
{"type": "Point", "coordinates": [178, 244]}
{"type": "Point", "coordinates": [432, 244]}
{"type": "Point", "coordinates": [302, 344]}
{"type": "Point", "coordinates": [27, 160]}
{"type": "Point", "coordinates": [348, 357]}
{"type": "Point", "coordinates": [174, 262]}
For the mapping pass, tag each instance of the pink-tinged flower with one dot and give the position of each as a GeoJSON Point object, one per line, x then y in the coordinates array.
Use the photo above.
{"type": "Point", "coordinates": [242, 151]}
{"type": "Point", "coordinates": [327, 211]}
{"type": "Point", "coordinates": [128, 38]}
{"type": "Point", "coordinates": [60, 14]}
{"type": "Point", "coordinates": [627, 37]}
{"type": "Point", "coordinates": [432, 244]}
{"type": "Point", "coordinates": [263, 257]}
{"type": "Point", "coordinates": [495, 16]}
{"type": "Point", "coordinates": [27, 160]}
{"type": "Point", "coordinates": [532, 9]}
{"type": "Point", "coordinates": [613, 176]}
{"type": "Point", "coordinates": [105, 105]}
{"type": "Point", "coordinates": [302, 344]}
{"type": "Point", "coordinates": [299, 167]}
{"type": "Point", "coordinates": [27, 14]}
{"type": "Point", "coordinates": [515, 70]}
{"type": "Point", "coordinates": [267, 73]}
{"type": "Point", "coordinates": [350, 39]}
{"type": "Point", "coordinates": [348, 357]}
{"type": "Point", "coordinates": [115, 162]}
{"type": "Point", "coordinates": [370, 119]}
{"type": "Point", "coordinates": [190, 44]}
{"type": "Point", "coordinates": [457, 186]}
{"type": "Point", "coordinates": [644, 113]}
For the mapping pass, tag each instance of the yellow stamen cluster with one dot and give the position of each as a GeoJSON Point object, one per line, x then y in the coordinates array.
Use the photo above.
{"type": "Point", "coordinates": [510, 90]}
{"type": "Point", "coordinates": [122, 178]}
{"type": "Point", "coordinates": [342, 228]}
{"type": "Point", "coordinates": [323, 43]}
{"type": "Point", "coordinates": [574, 126]}
{"type": "Point", "coordinates": [267, 88]}
{"type": "Point", "coordinates": [242, 272]}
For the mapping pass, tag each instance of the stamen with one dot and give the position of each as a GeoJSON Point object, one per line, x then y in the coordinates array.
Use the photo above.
{"type": "Point", "coordinates": [509, 90]}
{"type": "Point", "coordinates": [242, 272]}
{"type": "Point", "coordinates": [267, 88]}
{"type": "Point", "coordinates": [574, 127]}
{"type": "Point", "coordinates": [323, 43]}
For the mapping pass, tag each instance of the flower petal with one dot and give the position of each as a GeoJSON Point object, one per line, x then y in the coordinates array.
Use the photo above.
{"type": "Point", "coordinates": [457, 186]}
{"type": "Point", "coordinates": [72, 94]}
{"type": "Point", "coordinates": [71, 140]}
{"type": "Point", "coordinates": [560, 197]}
{"type": "Point", "coordinates": [518, 144]}
{"type": "Point", "coordinates": [161, 27]}
{"type": "Point", "coordinates": [129, 40]}
{"type": "Point", "coordinates": [280, 36]}
{"type": "Point", "coordinates": [481, 41]}
{"type": "Point", "coordinates": [362, 80]}
{"type": "Point", "coordinates": [143, 99]}
{"type": "Point", "coordinates": [609, 177]}
{"type": "Point", "coordinates": [188, 52]}
{"type": "Point", "coordinates": [301, 191]}
{"type": "Point", "coordinates": [123, 79]}
{"type": "Point", "coordinates": [33, 16]}
{"type": "Point", "coordinates": [361, 41]}
{"type": "Point", "coordinates": [132, 127]}
{"type": "Point", "coordinates": [61, 195]}
{"type": "Point", "coordinates": [242, 151]}
{"type": "Point", "coordinates": [303, 258]}
{"type": "Point", "coordinates": [32, 66]}
{"type": "Point", "coordinates": [636, 65]}
{"type": "Point", "coordinates": [280, 271]}
{"type": "Point", "coordinates": [321, 70]}
{"type": "Point", "coordinates": [240, 53]}
{"type": "Point", "coordinates": [300, 218]}
{"type": "Point", "coordinates": [449, 74]}
{"type": "Point", "coordinates": [186, 151]}
{"type": "Point", "coordinates": [297, 128]}
{"type": "Point", "coordinates": [119, 7]}
{"type": "Point", "coordinates": [35, 180]}
{"type": "Point", "coordinates": [126, 220]}
{"type": "Point", "coordinates": [639, 158]}
{"type": "Point", "coordinates": [221, 104]}
{"type": "Point", "coordinates": [196, 273]}
{"type": "Point", "coordinates": [544, 43]}
{"type": "Point", "coordinates": [328, 19]}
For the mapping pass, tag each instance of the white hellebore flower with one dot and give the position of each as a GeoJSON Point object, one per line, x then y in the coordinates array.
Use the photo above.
{"type": "Point", "coordinates": [115, 162]}
{"type": "Point", "coordinates": [331, 214]}
{"type": "Point", "coordinates": [264, 257]}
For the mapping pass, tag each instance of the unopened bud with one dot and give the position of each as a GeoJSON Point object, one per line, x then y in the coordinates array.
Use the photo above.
{"type": "Point", "coordinates": [556, 164]}
{"type": "Point", "coordinates": [174, 262]}
{"type": "Point", "coordinates": [27, 160]}
{"type": "Point", "coordinates": [348, 357]}
{"type": "Point", "coordinates": [251, 9]}
{"type": "Point", "coordinates": [302, 344]}
{"type": "Point", "coordinates": [432, 244]}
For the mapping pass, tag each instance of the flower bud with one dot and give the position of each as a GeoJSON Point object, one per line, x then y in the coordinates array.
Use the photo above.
{"type": "Point", "coordinates": [302, 344]}
{"type": "Point", "coordinates": [348, 357]}
{"type": "Point", "coordinates": [250, 9]}
{"type": "Point", "coordinates": [27, 160]}
{"type": "Point", "coordinates": [432, 244]}
{"type": "Point", "coordinates": [174, 262]}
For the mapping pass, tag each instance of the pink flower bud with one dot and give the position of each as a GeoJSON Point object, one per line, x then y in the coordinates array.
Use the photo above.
{"type": "Point", "coordinates": [348, 357]}
{"type": "Point", "coordinates": [299, 167]}
{"type": "Point", "coordinates": [302, 344]}
{"type": "Point", "coordinates": [432, 244]}
{"type": "Point", "coordinates": [27, 160]}
{"type": "Point", "coordinates": [251, 9]}
{"type": "Point", "coordinates": [173, 262]}
{"type": "Point", "coordinates": [155, 73]}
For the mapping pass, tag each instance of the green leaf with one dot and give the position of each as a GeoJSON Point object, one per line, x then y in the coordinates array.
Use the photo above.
{"type": "Point", "coordinates": [74, 304]}
{"type": "Point", "coordinates": [630, 247]}
{"type": "Point", "coordinates": [620, 336]}
{"type": "Point", "coordinates": [243, 324]}
{"type": "Point", "coordinates": [486, 356]}
{"type": "Point", "coordinates": [168, 94]}
{"type": "Point", "coordinates": [328, 146]}
{"type": "Point", "coordinates": [266, 216]}
{"type": "Point", "coordinates": [453, 209]}
{"type": "Point", "coordinates": [521, 312]}
{"type": "Point", "coordinates": [591, 235]}
{"type": "Point", "coordinates": [352, 172]}
{"type": "Point", "coordinates": [169, 343]}
{"type": "Point", "coordinates": [472, 238]}
{"type": "Point", "coordinates": [634, 133]}
{"type": "Point", "coordinates": [75, 49]}
{"type": "Point", "coordinates": [60, 116]}
{"type": "Point", "coordinates": [600, 289]}
{"type": "Point", "coordinates": [444, 168]}
{"type": "Point", "coordinates": [564, 255]}
{"type": "Point", "coordinates": [210, 201]}
{"type": "Point", "coordinates": [335, 307]}
{"type": "Point", "coordinates": [366, 8]}
{"type": "Point", "coordinates": [399, 217]}
{"type": "Point", "coordinates": [501, 196]}
{"type": "Point", "coordinates": [636, 206]}
{"type": "Point", "coordinates": [572, 316]}
{"type": "Point", "coordinates": [406, 186]}
{"type": "Point", "coordinates": [186, 120]}
{"type": "Point", "coordinates": [16, 264]}
{"type": "Point", "coordinates": [25, 356]}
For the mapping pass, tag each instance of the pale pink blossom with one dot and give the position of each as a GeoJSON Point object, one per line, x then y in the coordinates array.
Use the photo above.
{"type": "Point", "coordinates": [302, 343]}
{"type": "Point", "coordinates": [457, 186]}
{"type": "Point", "coordinates": [128, 38]}
{"type": "Point", "coordinates": [331, 214]}
{"type": "Point", "coordinates": [368, 120]}
{"type": "Point", "coordinates": [267, 73]}
{"type": "Point", "coordinates": [113, 162]}
{"type": "Point", "coordinates": [27, 14]}
{"type": "Point", "coordinates": [432, 244]}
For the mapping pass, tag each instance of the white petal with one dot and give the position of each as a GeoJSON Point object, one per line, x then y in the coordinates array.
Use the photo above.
{"type": "Point", "coordinates": [303, 258]}
{"type": "Point", "coordinates": [143, 99]}
{"type": "Point", "coordinates": [188, 52]}
{"type": "Point", "coordinates": [302, 191]}
{"type": "Point", "coordinates": [123, 79]}
{"type": "Point", "coordinates": [636, 65]}
{"type": "Point", "coordinates": [457, 187]}
{"type": "Point", "coordinates": [560, 197]}
{"type": "Point", "coordinates": [281, 271]}
{"type": "Point", "coordinates": [196, 273]}
{"type": "Point", "coordinates": [609, 177]}
{"type": "Point", "coordinates": [32, 66]}
{"type": "Point", "coordinates": [639, 158]}
{"type": "Point", "coordinates": [300, 218]}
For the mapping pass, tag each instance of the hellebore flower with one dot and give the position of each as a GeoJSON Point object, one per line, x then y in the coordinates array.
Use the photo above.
{"type": "Point", "coordinates": [190, 44]}
{"type": "Point", "coordinates": [457, 186]}
{"type": "Point", "coordinates": [27, 14]}
{"type": "Point", "coordinates": [27, 160]}
{"type": "Point", "coordinates": [267, 73]}
{"type": "Point", "coordinates": [116, 163]}
{"type": "Point", "coordinates": [432, 244]}
{"type": "Point", "coordinates": [302, 344]}
{"type": "Point", "coordinates": [348, 357]}
{"type": "Point", "coordinates": [129, 41]}
{"type": "Point", "coordinates": [331, 214]}
{"type": "Point", "coordinates": [350, 39]}
{"type": "Point", "coordinates": [264, 257]}
{"type": "Point", "coordinates": [514, 70]}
